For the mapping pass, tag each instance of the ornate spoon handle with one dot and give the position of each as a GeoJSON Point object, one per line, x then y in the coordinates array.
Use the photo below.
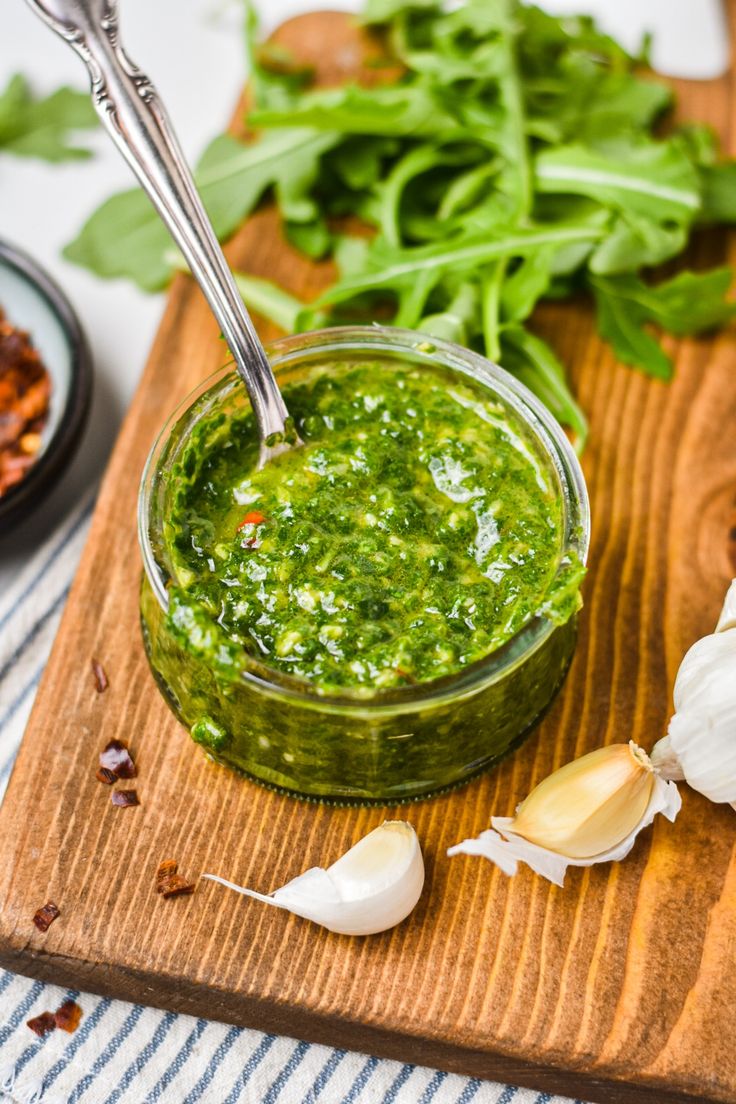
{"type": "Point", "coordinates": [134, 116]}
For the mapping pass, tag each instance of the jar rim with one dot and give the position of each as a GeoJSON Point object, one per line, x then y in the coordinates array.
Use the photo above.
{"type": "Point", "coordinates": [527, 407]}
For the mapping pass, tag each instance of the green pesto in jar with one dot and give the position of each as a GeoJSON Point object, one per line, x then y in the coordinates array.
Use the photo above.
{"type": "Point", "coordinates": [415, 532]}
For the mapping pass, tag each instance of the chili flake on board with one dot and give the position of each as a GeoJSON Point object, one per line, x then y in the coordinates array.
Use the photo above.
{"type": "Point", "coordinates": [117, 758]}
{"type": "Point", "coordinates": [169, 883]}
{"type": "Point", "coordinates": [101, 680]}
{"type": "Point", "coordinates": [124, 798]}
{"type": "Point", "coordinates": [45, 916]}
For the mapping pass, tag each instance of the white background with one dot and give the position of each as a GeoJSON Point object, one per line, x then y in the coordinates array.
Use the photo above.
{"type": "Point", "coordinates": [193, 51]}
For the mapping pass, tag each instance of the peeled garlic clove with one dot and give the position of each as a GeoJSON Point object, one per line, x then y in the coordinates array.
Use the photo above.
{"type": "Point", "coordinates": [700, 745]}
{"type": "Point", "coordinates": [372, 887]}
{"type": "Point", "coordinates": [589, 811]}
{"type": "Point", "coordinates": [589, 805]}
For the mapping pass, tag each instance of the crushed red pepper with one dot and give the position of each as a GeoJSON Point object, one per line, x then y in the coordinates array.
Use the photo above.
{"type": "Point", "coordinates": [45, 916]}
{"type": "Point", "coordinates": [124, 798]}
{"type": "Point", "coordinates": [42, 1024]}
{"type": "Point", "coordinates": [67, 1016]}
{"type": "Point", "coordinates": [104, 774]}
{"type": "Point", "coordinates": [25, 392]}
{"type": "Point", "coordinates": [117, 758]}
{"type": "Point", "coordinates": [169, 883]}
{"type": "Point", "coordinates": [101, 680]}
{"type": "Point", "coordinates": [253, 517]}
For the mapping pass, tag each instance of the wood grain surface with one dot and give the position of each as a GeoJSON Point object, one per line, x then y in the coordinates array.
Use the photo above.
{"type": "Point", "coordinates": [619, 987]}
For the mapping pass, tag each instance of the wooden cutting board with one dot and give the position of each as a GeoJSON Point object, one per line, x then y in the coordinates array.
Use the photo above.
{"type": "Point", "coordinates": [619, 987]}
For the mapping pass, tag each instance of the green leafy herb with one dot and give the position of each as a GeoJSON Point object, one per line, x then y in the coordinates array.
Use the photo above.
{"type": "Point", "coordinates": [686, 304]}
{"type": "Point", "coordinates": [501, 156]}
{"type": "Point", "coordinates": [40, 128]}
{"type": "Point", "coordinates": [125, 236]}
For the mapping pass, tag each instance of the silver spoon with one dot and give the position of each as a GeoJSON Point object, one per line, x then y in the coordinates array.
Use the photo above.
{"type": "Point", "coordinates": [134, 116]}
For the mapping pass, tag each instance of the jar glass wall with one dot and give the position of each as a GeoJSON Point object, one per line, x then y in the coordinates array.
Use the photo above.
{"type": "Point", "coordinates": [392, 745]}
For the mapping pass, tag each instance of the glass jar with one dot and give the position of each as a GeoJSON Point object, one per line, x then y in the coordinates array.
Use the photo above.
{"type": "Point", "coordinates": [396, 744]}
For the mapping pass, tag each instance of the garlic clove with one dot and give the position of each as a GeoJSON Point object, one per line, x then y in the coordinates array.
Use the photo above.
{"type": "Point", "coordinates": [707, 674]}
{"type": "Point", "coordinates": [372, 887]}
{"type": "Point", "coordinates": [700, 745]}
{"type": "Point", "coordinates": [590, 811]}
{"type": "Point", "coordinates": [589, 805]}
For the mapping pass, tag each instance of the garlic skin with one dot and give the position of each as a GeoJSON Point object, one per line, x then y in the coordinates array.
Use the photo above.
{"type": "Point", "coordinates": [372, 887]}
{"type": "Point", "coordinates": [589, 811]}
{"type": "Point", "coordinates": [700, 745]}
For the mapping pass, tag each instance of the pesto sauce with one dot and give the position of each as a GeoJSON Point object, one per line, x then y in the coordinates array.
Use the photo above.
{"type": "Point", "coordinates": [416, 531]}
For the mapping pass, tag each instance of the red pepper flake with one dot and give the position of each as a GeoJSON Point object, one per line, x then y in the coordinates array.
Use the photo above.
{"type": "Point", "coordinates": [124, 798]}
{"type": "Point", "coordinates": [101, 680]}
{"type": "Point", "coordinates": [407, 675]}
{"type": "Point", "coordinates": [171, 884]}
{"type": "Point", "coordinates": [253, 517]}
{"type": "Point", "coordinates": [44, 918]}
{"type": "Point", "coordinates": [104, 774]}
{"type": "Point", "coordinates": [25, 395]}
{"type": "Point", "coordinates": [117, 758]}
{"type": "Point", "coordinates": [67, 1016]}
{"type": "Point", "coordinates": [41, 1025]}
{"type": "Point", "coordinates": [166, 870]}
{"type": "Point", "coordinates": [177, 886]}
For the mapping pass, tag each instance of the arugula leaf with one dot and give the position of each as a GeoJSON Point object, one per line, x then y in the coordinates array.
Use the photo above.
{"type": "Point", "coordinates": [266, 298]}
{"type": "Point", "coordinates": [456, 322]}
{"type": "Point", "coordinates": [386, 110]}
{"type": "Point", "coordinates": [125, 236]}
{"type": "Point", "coordinates": [652, 179]}
{"type": "Point", "coordinates": [381, 11]}
{"type": "Point", "coordinates": [358, 162]}
{"type": "Point", "coordinates": [719, 193]}
{"type": "Point", "coordinates": [635, 242]}
{"type": "Point", "coordinates": [534, 363]}
{"type": "Point", "coordinates": [527, 284]}
{"type": "Point", "coordinates": [392, 268]}
{"type": "Point", "coordinates": [39, 127]}
{"type": "Point", "coordinates": [622, 324]}
{"type": "Point", "coordinates": [689, 303]}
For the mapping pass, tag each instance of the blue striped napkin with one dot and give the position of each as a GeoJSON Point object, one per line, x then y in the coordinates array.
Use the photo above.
{"type": "Point", "coordinates": [125, 1053]}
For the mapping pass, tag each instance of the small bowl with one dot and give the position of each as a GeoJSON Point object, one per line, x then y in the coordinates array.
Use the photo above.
{"type": "Point", "coordinates": [395, 744]}
{"type": "Point", "coordinates": [32, 301]}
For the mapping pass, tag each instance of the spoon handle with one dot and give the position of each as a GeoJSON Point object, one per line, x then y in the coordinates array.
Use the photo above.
{"type": "Point", "coordinates": [131, 111]}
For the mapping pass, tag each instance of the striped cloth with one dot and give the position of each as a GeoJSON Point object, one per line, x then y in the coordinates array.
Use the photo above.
{"type": "Point", "coordinates": [125, 1053]}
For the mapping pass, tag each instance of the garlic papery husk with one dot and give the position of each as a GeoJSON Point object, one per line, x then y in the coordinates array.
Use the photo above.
{"type": "Point", "coordinates": [700, 745]}
{"type": "Point", "coordinates": [372, 887]}
{"type": "Point", "coordinates": [589, 811]}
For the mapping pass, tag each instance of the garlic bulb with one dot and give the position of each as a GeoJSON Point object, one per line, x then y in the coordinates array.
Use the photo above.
{"type": "Point", "coordinates": [700, 745]}
{"type": "Point", "coordinates": [372, 887]}
{"type": "Point", "coordinates": [589, 811]}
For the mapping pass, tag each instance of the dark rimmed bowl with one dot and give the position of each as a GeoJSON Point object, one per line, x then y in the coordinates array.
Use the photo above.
{"type": "Point", "coordinates": [32, 301]}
